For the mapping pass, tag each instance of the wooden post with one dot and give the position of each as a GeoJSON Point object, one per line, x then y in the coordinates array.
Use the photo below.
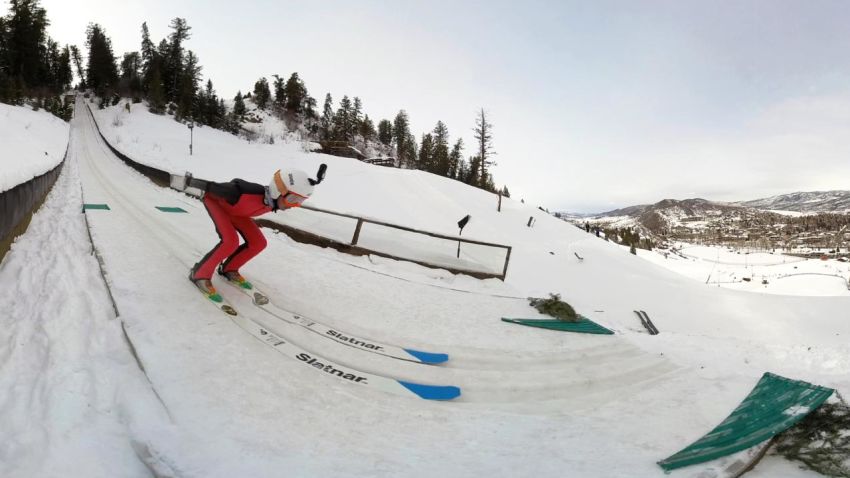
{"type": "Point", "coordinates": [357, 232]}
{"type": "Point", "coordinates": [507, 260]}
{"type": "Point", "coordinates": [500, 202]}
{"type": "Point", "coordinates": [530, 220]}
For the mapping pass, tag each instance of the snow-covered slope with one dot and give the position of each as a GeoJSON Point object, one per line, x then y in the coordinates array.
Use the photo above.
{"type": "Point", "coordinates": [31, 143]}
{"type": "Point", "coordinates": [534, 403]}
{"type": "Point", "coordinates": [412, 198]}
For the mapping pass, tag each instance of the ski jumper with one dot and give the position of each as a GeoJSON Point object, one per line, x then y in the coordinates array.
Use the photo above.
{"type": "Point", "coordinates": [231, 206]}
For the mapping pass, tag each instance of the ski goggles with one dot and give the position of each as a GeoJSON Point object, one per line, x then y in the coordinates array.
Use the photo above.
{"type": "Point", "coordinates": [292, 199]}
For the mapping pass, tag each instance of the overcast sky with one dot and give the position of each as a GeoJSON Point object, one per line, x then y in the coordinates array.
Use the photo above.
{"type": "Point", "coordinates": [595, 104]}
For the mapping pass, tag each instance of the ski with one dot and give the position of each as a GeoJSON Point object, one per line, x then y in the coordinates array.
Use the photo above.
{"type": "Point", "coordinates": [652, 326]}
{"type": "Point", "coordinates": [345, 373]}
{"type": "Point", "coordinates": [646, 322]}
{"type": "Point", "coordinates": [261, 300]}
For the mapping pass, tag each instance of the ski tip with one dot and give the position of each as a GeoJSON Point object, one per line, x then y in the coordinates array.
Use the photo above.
{"type": "Point", "coordinates": [428, 357]}
{"type": "Point", "coordinates": [432, 392]}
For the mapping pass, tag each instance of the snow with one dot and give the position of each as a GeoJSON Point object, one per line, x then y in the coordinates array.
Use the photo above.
{"type": "Point", "coordinates": [209, 400]}
{"type": "Point", "coordinates": [71, 392]}
{"type": "Point", "coordinates": [33, 143]}
{"type": "Point", "coordinates": [765, 272]}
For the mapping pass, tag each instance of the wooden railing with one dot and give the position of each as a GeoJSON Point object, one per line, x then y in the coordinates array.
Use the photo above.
{"type": "Point", "coordinates": [353, 245]}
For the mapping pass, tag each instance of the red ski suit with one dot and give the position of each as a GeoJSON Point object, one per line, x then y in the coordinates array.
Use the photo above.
{"type": "Point", "coordinates": [231, 207]}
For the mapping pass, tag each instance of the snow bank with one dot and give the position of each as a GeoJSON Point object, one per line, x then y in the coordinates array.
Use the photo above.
{"type": "Point", "coordinates": [31, 143]}
{"type": "Point", "coordinates": [71, 390]}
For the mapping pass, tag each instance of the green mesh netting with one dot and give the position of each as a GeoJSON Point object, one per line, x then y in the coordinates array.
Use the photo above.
{"type": "Point", "coordinates": [169, 209]}
{"type": "Point", "coordinates": [584, 326]}
{"type": "Point", "coordinates": [775, 404]}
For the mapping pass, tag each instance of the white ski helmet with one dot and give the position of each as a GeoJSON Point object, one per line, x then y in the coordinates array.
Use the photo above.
{"type": "Point", "coordinates": [290, 181]}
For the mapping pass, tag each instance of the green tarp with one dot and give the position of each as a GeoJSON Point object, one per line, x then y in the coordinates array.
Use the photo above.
{"type": "Point", "coordinates": [775, 405]}
{"type": "Point", "coordinates": [169, 209]}
{"type": "Point", "coordinates": [584, 326]}
{"type": "Point", "coordinates": [86, 207]}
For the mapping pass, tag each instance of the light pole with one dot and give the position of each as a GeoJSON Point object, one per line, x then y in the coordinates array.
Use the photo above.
{"type": "Point", "coordinates": [191, 126]}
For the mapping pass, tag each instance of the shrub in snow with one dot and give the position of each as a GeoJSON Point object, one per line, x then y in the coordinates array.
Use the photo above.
{"type": "Point", "coordinates": [555, 307]}
{"type": "Point", "coordinates": [821, 441]}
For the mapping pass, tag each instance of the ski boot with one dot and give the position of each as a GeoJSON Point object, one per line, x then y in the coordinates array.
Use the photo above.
{"type": "Point", "coordinates": [206, 287]}
{"type": "Point", "coordinates": [235, 278]}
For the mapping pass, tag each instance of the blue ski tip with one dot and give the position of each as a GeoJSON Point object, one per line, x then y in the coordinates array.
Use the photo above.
{"type": "Point", "coordinates": [428, 357]}
{"type": "Point", "coordinates": [432, 392]}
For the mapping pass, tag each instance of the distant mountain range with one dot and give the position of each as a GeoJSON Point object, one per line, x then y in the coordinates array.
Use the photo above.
{"type": "Point", "coordinates": [699, 218]}
{"type": "Point", "coordinates": [800, 202]}
{"type": "Point", "coordinates": [668, 214]}
{"type": "Point", "coordinates": [805, 202]}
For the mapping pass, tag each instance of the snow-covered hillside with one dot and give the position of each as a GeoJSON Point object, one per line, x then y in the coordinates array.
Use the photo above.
{"type": "Point", "coordinates": [409, 197]}
{"type": "Point", "coordinates": [209, 400]}
{"type": "Point", "coordinates": [31, 143]}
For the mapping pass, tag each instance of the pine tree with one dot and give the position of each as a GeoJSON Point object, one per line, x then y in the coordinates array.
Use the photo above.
{"type": "Point", "coordinates": [487, 183]}
{"type": "Point", "coordinates": [66, 74]}
{"type": "Point", "coordinates": [483, 133]}
{"type": "Point", "coordinates": [156, 92]}
{"type": "Point", "coordinates": [473, 176]}
{"type": "Point", "coordinates": [262, 94]}
{"type": "Point", "coordinates": [327, 117]}
{"type": "Point", "coordinates": [409, 150]}
{"type": "Point", "coordinates": [401, 134]}
{"type": "Point", "coordinates": [356, 114]}
{"type": "Point", "coordinates": [367, 129]}
{"type": "Point", "coordinates": [279, 103]}
{"type": "Point", "coordinates": [173, 73]}
{"type": "Point", "coordinates": [77, 58]}
{"type": "Point", "coordinates": [49, 67]}
{"type": "Point", "coordinates": [505, 191]}
{"type": "Point", "coordinates": [207, 109]}
{"type": "Point", "coordinates": [148, 50]}
{"type": "Point", "coordinates": [188, 86]}
{"type": "Point", "coordinates": [5, 80]}
{"type": "Point", "coordinates": [385, 132]}
{"type": "Point", "coordinates": [456, 160]}
{"type": "Point", "coordinates": [60, 75]}
{"type": "Point", "coordinates": [221, 113]}
{"type": "Point", "coordinates": [131, 83]}
{"type": "Point", "coordinates": [26, 38]}
{"type": "Point", "coordinates": [296, 94]}
{"type": "Point", "coordinates": [102, 72]}
{"type": "Point", "coordinates": [441, 160]}
{"type": "Point", "coordinates": [238, 106]}
{"type": "Point", "coordinates": [426, 153]}
{"type": "Point", "coordinates": [463, 172]}
{"type": "Point", "coordinates": [310, 109]}
{"type": "Point", "coordinates": [31, 63]}
{"type": "Point", "coordinates": [343, 124]}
